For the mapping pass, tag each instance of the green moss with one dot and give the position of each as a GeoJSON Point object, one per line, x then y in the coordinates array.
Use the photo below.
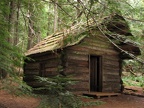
{"type": "Point", "coordinates": [72, 39]}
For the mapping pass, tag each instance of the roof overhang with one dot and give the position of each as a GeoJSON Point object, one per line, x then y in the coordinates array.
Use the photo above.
{"type": "Point", "coordinates": [73, 35]}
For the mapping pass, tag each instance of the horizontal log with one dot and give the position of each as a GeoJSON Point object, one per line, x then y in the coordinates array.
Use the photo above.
{"type": "Point", "coordinates": [51, 63]}
{"type": "Point", "coordinates": [108, 68]}
{"type": "Point", "coordinates": [81, 92]}
{"type": "Point", "coordinates": [77, 48]}
{"type": "Point", "coordinates": [45, 57]}
{"type": "Point", "coordinates": [111, 79]}
{"type": "Point", "coordinates": [79, 63]}
{"type": "Point", "coordinates": [79, 86]}
{"type": "Point", "coordinates": [100, 49]}
{"type": "Point", "coordinates": [85, 50]}
{"type": "Point", "coordinates": [110, 72]}
{"type": "Point", "coordinates": [77, 57]}
{"type": "Point", "coordinates": [107, 89]}
{"type": "Point", "coordinates": [109, 64]}
{"type": "Point", "coordinates": [50, 74]}
{"type": "Point", "coordinates": [72, 51]}
{"type": "Point", "coordinates": [99, 44]}
{"type": "Point", "coordinates": [51, 69]}
{"type": "Point", "coordinates": [94, 50]}
{"type": "Point", "coordinates": [111, 84]}
{"type": "Point", "coordinates": [111, 61]}
{"type": "Point", "coordinates": [115, 90]}
{"type": "Point", "coordinates": [110, 89]}
{"type": "Point", "coordinates": [115, 58]}
{"type": "Point", "coordinates": [31, 66]}
{"type": "Point", "coordinates": [31, 72]}
{"type": "Point", "coordinates": [80, 77]}
{"type": "Point", "coordinates": [35, 64]}
{"type": "Point", "coordinates": [114, 86]}
{"type": "Point", "coordinates": [74, 70]}
{"type": "Point", "coordinates": [111, 76]}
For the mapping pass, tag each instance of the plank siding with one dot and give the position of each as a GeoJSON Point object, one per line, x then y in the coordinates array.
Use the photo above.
{"type": "Point", "coordinates": [44, 57]}
{"type": "Point", "coordinates": [80, 86]}
{"type": "Point", "coordinates": [78, 63]}
{"type": "Point", "coordinates": [32, 72]}
{"type": "Point", "coordinates": [100, 44]}
{"type": "Point", "coordinates": [111, 87]}
{"type": "Point", "coordinates": [32, 66]}
{"type": "Point", "coordinates": [77, 57]}
{"type": "Point", "coordinates": [73, 70]}
{"type": "Point", "coordinates": [51, 63]}
{"type": "Point", "coordinates": [45, 65]}
{"type": "Point", "coordinates": [112, 78]}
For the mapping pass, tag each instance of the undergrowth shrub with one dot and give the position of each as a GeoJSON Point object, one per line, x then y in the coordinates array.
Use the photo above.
{"type": "Point", "coordinates": [132, 80]}
{"type": "Point", "coordinates": [16, 86]}
{"type": "Point", "coordinates": [56, 95]}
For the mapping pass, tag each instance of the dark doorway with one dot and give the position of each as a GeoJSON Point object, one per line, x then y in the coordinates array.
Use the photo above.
{"type": "Point", "coordinates": [95, 73]}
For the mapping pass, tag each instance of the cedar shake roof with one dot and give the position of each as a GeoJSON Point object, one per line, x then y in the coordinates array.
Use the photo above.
{"type": "Point", "coordinates": [76, 33]}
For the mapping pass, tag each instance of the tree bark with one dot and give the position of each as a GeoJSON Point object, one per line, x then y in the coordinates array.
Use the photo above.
{"type": "Point", "coordinates": [31, 32]}
{"type": "Point", "coordinates": [11, 29]}
{"type": "Point", "coordinates": [16, 39]}
{"type": "Point", "coordinates": [12, 20]}
{"type": "Point", "coordinates": [56, 15]}
{"type": "Point", "coordinates": [34, 33]}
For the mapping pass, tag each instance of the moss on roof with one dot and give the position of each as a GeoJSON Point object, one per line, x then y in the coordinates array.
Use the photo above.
{"type": "Point", "coordinates": [70, 36]}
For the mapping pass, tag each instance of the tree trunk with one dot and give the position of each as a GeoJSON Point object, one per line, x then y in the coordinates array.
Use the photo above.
{"type": "Point", "coordinates": [12, 20]}
{"type": "Point", "coordinates": [16, 39]}
{"type": "Point", "coordinates": [49, 19]}
{"type": "Point", "coordinates": [34, 33]}
{"type": "Point", "coordinates": [56, 15]}
{"type": "Point", "coordinates": [11, 28]}
{"type": "Point", "coordinates": [31, 32]}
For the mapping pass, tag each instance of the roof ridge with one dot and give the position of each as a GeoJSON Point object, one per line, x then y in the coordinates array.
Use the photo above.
{"type": "Point", "coordinates": [64, 35]}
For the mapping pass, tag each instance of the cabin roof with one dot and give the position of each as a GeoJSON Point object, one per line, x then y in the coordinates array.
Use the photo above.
{"type": "Point", "coordinates": [76, 33]}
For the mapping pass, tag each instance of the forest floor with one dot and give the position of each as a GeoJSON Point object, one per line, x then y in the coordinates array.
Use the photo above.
{"type": "Point", "coordinates": [123, 101]}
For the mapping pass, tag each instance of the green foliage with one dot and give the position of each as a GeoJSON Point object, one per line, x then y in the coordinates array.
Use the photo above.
{"type": "Point", "coordinates": [15, 86]}
{"type": "Point", "coordinates": [56, 94]}
{"type": "Point", "coordinates": [67, 100]}
{"type": "Point", "coordinates": [56, 84]}
{"type": "Point", "coordinates": [132, 80]}
{"type": "Point", "coordinates": [134, 73]}
{"type": "Point", "coordinates": [133, 66]}
{"type": "Point", "coordinates": [10, 56]}
{"type": "Point", "coordinates": [42, 18]}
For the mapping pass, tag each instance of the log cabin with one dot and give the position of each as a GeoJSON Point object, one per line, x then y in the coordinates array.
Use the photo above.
{"type": "Point", "coordinates": [92, 52]}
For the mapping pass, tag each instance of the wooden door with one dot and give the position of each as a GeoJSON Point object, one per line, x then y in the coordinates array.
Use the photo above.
{"type": "Point", "coordinates": [95, 74]}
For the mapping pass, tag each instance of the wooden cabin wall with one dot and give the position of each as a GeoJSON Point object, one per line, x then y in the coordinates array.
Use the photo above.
{"type": "Point", "coordinates": [111, 74]}
{"type": "Point", "coordinates": [77, 66]}
{"type": "Point", "coordinates": [45, 64]}
{"type": "Point", "coordinates": [78, 63]}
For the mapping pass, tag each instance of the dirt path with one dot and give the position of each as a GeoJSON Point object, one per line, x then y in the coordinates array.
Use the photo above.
{"type": "Point", "coordinates": [122, 101]}
{"type": "Point", "coordinates": [10, 101]}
